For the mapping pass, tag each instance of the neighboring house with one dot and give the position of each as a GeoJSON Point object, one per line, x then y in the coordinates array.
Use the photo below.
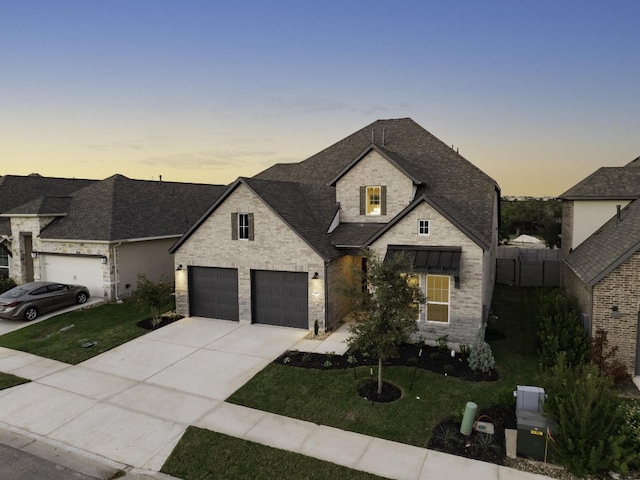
{"type": "Point", "coordinates": [104, 234]}
{"type": "Point", "coordinates": [274, 248]}
{"type": "Point", "coordinates": [17, 190]}
{"type": "Point", "coordinates": [601, 253]}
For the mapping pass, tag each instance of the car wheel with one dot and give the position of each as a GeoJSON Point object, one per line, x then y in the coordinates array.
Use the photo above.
{"type": "Point", "coordinates": [30, 314]}
{"type": "Point", "coordinates": [81, 298]}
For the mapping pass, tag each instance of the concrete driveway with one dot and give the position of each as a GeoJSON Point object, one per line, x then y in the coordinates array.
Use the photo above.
{"type": "Point", "coordinates": [133, 403]}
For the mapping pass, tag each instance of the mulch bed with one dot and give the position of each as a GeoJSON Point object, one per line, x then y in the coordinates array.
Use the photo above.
{"type": "Point", "coordinates": [147, 323]}
{"type": "Point", "coordinates": [425, 357]}
{"type": "Point", "coordinates": [369, 390]}
{"type": "Point", "coordinates": [446, 436]}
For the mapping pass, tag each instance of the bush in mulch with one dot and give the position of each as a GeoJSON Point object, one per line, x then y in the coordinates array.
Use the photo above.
{"type": "Point", "coordinates": [446, 436]}
{"type": "Point", "coordinates": [147, 323]}
{"type": "Point", "coordinates": [435, 359]}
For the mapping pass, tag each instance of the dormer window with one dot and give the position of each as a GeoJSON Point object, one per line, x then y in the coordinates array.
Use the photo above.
{"type": "Point", "coordinates": [373, 200]}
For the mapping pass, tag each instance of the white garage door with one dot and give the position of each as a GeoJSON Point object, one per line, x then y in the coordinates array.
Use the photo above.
{"type": "Point", "coordinates": [75, 270]}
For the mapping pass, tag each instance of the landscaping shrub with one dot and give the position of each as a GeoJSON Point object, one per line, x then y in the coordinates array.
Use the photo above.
{"type": "Point", "coordinates": [630, 429]}
{"type": "Point", "coordinates": [589, 421]}
{"type": "Point", "coordinates": [6, 283]}
{"type": "Point", "coordinates": [560, 329]}
{"type": "Point", "coordinates": [603, 357]}
{"type": "Point", "coordinates": [480, 357]}
{"type": "Point", "coordinates": [154, 295]}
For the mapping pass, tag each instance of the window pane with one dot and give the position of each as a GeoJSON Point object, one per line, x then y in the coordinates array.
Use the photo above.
{"type": "Point", "coordinates": [243, 225]}
{"type": "Point", "coordinates": [437, 298]}
{"type": "Point", "coordinates": [437, 313]}
{"type": "Point", "coordinates": [373, 200]}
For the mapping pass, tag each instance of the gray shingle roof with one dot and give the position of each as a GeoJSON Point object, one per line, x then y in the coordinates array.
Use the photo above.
{"type": "Point", "coordinates": [608, 247]}
{"type": "Point", "coordinates": [354, 234]}
{"type": "Point", "coordinates": [16, 190]}
{"type": "Point", "coordinates": [467, 193]}
{"type": "Point", "coordinates": [608, 183]}
{"type": "Point", "coordinates": [119, 208]}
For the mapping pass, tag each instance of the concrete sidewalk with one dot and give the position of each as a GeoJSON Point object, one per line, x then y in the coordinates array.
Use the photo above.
{"type": "Point", "coordinates": [131, 405]}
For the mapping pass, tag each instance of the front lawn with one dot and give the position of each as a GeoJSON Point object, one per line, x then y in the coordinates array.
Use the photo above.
{"type": "Point", "coordinates": [205, 455]}
{"type": "Point", "coordinates": [329, 397]}
{"type": "Point", "coordinates": [60, 337]}
{"type": "Point", "coordinates": [7, 380]}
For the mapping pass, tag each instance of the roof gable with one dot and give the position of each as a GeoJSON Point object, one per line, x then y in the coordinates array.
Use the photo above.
{"type": "Point", "coordinates": [307, 209]}
{"type": "Point", "coordinates": [608, 247]}
{"type": "Point", "coordinates": [392, 158]}
{"type": "Point", "coordinates": [445, 212]}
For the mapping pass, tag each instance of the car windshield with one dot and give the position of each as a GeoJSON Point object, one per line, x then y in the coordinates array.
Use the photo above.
{"type": "Point", "coordinates": [15, 292]}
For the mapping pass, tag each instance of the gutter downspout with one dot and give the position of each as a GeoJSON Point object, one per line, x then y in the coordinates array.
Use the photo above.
{"type": "Point", "coordinates": [115, 267]}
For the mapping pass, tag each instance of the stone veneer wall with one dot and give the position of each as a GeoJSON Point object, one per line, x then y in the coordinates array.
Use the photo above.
{"type": "Point", "coordinates": [567, 227]}
{"type": "Point", "coordinates": [373, 170]}
{"type": "Point", "coordinates": [466, 302]}
{"type": "Point", "coordinates": [275, 247]}
{"type": "Point", "coordinates": [621, 288]}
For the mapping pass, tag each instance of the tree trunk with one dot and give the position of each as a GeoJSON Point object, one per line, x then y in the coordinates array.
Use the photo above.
{"type": "Point", "coordinates": [379, 376]}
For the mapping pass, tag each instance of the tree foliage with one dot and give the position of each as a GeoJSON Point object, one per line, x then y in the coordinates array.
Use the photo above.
{"type": "Point", "coordinates": [387, 310]}
{"type": "Point", "coordinates": [588, 438]}
{"type": "Point", "coordinates": [560, 329]}
{"type": "Point", "coordinates": [541, 218]}
{"type": "Point", "coordinates": [154, 295]}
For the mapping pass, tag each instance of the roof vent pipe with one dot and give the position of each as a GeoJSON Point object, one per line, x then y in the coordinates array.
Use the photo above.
{"type": "Point", "coordinates": [384, 136]}
{"type": "Point", "coordinates": [618, 207]}
{"type": "Point", "coordinates": [373, 136]}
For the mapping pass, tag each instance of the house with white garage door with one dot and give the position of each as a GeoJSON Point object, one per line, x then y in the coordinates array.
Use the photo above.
{"type": "Point", "coordinates": [273, 248]}
{"type": "Point", "coordinates": [104, 233]}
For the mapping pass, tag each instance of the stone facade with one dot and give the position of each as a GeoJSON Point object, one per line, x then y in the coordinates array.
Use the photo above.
{"type": "Point", "coordinates": [275, 247]}
{"type": "Point", "coordinates": [466, 305]}
{"type": "Point", "coordinates": [373, 170]}
{"type": "Point", "coordinates": [620, 288]}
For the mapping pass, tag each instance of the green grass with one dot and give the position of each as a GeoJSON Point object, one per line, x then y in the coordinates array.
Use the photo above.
{"type": "Point", "coordinates": [330, 397]}
{"type": "Point", "coordinates": [108, 324]}
{"type": "Point", "coordinates": [206, 455]}
{"type": "Point", "coordinates": [7, 380]}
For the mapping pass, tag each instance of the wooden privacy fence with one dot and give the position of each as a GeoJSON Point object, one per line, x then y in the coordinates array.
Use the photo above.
{"type": "Point", "coordinates": [528, 267]}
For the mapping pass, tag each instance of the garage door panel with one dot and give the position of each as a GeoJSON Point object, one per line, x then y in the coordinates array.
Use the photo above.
{"type": "Point", "coordinates": [213, 292]}
{"type": "Point", "coordinates": [77, 270]}
{"type": "Point", "coordinates": [280, 298]}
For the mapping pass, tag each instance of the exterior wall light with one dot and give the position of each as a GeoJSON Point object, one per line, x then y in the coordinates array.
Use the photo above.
{"type": "Point", "coordinates": [34, 254]}
{"type": "Point", "coordinates": [315, 276]}
{"type": "Point", "coordinates": [103, 260]}
{"type": "Point", "coordinates": [179, 268]}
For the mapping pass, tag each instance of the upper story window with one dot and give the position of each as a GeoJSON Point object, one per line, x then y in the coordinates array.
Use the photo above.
{"type": "Point", "coordinates": [423, 227]}
{"type": "Point", "coordinates": [242, 226]}
{"type": "Point", "coordinates": [373, 200]}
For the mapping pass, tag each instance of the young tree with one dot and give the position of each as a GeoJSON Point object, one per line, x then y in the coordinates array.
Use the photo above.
{"type": "Point", "coordinates": [154, 295]}
{"type": "Point", "coordinates": [386, 309]}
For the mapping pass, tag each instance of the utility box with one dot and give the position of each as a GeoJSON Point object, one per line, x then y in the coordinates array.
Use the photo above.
{"type": "Point", "coordinates": [529, 398]}
{"type": "Point", "coordinates": [533, 440]}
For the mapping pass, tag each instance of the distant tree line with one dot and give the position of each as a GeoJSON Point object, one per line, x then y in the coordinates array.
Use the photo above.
{"type": "Point", "coordinates": [536, 217]}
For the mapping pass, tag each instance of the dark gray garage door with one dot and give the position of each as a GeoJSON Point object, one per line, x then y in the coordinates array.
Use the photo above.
{"type": "Point", "coordinates": [280, 298]}
{"type": "Point", "coordinates": [213, 292]}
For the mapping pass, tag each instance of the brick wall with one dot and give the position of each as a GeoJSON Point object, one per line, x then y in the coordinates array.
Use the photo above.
{"type": "Point", "coordinates": [466, 302]}
{"type": "Point", "coordinates": [373, 170]}
{"type": "Point", "coordinates": [620, 288]}
{"type": "Point", "coordinates": [275, 247]}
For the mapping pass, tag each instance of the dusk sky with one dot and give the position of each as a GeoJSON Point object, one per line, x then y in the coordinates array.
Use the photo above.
{"type": "Point", "coordinates": [538, 94]}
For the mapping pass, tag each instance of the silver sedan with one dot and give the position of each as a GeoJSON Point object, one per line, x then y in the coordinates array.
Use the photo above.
{"type": "Point", "coordinates": [31, 299]}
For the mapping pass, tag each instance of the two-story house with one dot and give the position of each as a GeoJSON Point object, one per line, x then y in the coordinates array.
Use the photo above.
{"type": "Point", "coordinates": [273, 248]}
{"type": "Point", "coordinates": [601, 255]}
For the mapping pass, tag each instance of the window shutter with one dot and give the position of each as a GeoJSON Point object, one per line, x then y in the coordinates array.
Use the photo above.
{"type": "Point", "coordinates": [383, 200]}
{"type": "Point", "coordinates": [251, 227]}
{"type": "Point", "coordinates": [363, 200]}
{"type": "Point", "coordinates": [234, 226]}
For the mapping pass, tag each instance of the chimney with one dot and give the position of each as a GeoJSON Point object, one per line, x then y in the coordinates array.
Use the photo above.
{"type": "Point", "coordinates": [384, 136]}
